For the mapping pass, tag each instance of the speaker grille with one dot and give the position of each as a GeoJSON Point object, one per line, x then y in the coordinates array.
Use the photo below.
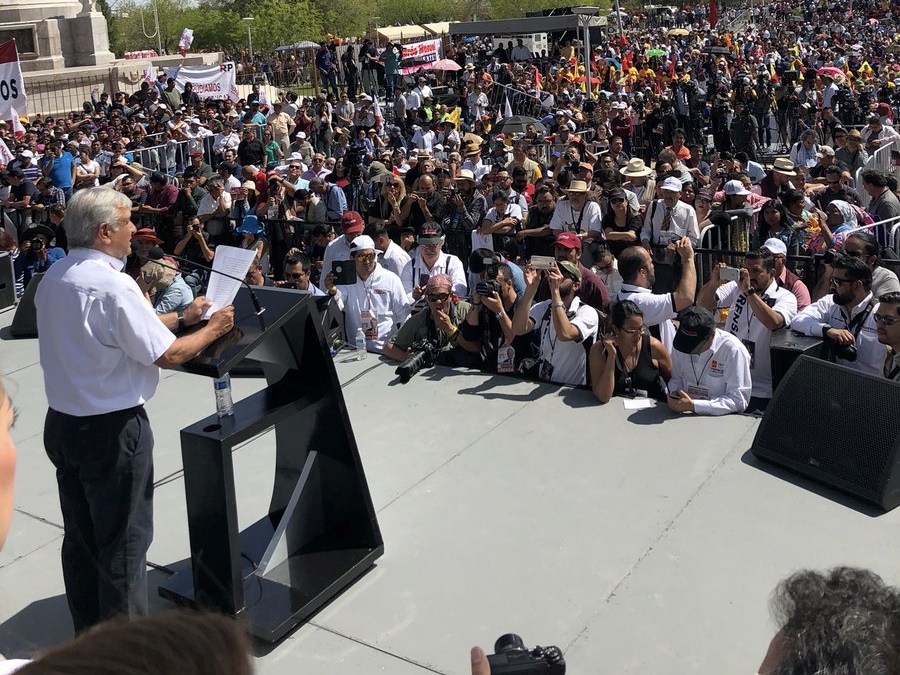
{"type": "Point", "coordinates": [834, 424]}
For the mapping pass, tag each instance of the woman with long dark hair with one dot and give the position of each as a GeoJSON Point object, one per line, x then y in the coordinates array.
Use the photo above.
{"type": "Point", "coordinates": [621, 224]}
{"type": "Point", "coordinates": [629, 361]}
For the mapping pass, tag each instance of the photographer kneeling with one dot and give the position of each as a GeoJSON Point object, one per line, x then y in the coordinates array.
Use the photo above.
{"type": "Point", "coordinates": [438, 325]}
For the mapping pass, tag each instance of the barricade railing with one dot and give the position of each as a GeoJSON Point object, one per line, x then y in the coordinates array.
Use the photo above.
{"type": "Point", "coordinates": [880, 160]}
{"type": "Point", "coordinates": [520, 102]}
{"type": "Point", "coordinates": [735, 237]}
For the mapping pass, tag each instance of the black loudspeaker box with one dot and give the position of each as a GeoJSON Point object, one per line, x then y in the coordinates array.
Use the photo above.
{"type": "Point", "coordinates": [837, 426]}
{"type": "Point", "coordinates": [786, 347]}
{"type": "Point", "coordinates": [24, 323]}
{"type": "Point", "coordinates": [7, 282]}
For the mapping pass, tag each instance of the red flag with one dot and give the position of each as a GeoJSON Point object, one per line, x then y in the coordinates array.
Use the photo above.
{"type": "Point", "coordinates": [537, 79]}
{"type": "Point", "coordinates": [713, 14]}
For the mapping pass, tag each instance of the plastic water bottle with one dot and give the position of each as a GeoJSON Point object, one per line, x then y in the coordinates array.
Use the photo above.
{"type": "Point", "coordinates": [224, 403]}
{"type": "Point", "coordinates": [360, 344]}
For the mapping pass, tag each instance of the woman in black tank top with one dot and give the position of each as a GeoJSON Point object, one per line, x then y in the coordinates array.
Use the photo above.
{"type": "Point", "coordinates": [630, 362]}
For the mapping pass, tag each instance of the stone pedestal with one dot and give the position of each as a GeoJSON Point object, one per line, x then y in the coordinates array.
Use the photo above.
{"type": "Point", "coordinates": [90, 40]}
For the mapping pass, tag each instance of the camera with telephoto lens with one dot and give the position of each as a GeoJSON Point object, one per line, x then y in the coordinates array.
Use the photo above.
{"type": "Point", "coordinates": [423, 356]}
{"type": "Point", "coordinates": [512, 657]}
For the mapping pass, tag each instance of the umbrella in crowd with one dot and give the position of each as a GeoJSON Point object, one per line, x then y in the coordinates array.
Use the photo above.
{"type": "Point", "coordinates": [678, 32]}
{"type": "Point", "coordinates": [517, 123]}
{"type": "Point", "coordinates": [831, 71]}
{"type": "Point", "coordinates": [613, 62]}
{"type": "Point", "coordinates": [446, 64]}
{"type": "Point", "coordinates": [594, 80]}
{"type": "Point", "coordinates": [656, 52]}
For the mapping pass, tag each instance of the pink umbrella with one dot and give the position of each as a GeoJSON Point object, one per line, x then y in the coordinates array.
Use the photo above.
{"type": "Point", "coordinates": [831, 70]}
{"type": "Point", "coordinates": [446, 64]}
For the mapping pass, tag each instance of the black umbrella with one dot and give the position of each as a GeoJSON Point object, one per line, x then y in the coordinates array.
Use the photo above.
{"type": "Point", "coordinates": [516, 125]}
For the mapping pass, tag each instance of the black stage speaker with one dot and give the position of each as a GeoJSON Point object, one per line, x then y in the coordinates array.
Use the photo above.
{"type": "Point", "coordinates": [786, 347]}
{"type": "Point", "coordinates": [7, 282]}
{"type": "Point", "coordinates": [24, 323]}
{"type": "Point", "coordinates": [837, 426]}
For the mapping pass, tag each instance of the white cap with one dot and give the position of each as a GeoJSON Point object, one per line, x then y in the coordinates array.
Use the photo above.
{"type": "Point", "coordinates": [735, 187]}
{"type": "Point", "coordinates": [672, 184]}
{"type": "Point", "coordinates": [301, 134]}
{"type": "Point", "coordinates": [195, 120]}
{"type": "Point", "coordinates": [775, 246]}
{"type": "Point", "coordinates": [361, 243]}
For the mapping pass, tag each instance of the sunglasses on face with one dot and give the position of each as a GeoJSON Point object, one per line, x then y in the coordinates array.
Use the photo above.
{"type": "Point", "coordinates": [295, 275]}
{"type": "Point", "coordinates": [438, 297]}
{"type": "Point", "coordinates": [365, 257]}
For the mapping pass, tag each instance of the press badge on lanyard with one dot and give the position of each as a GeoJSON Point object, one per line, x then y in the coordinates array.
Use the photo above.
{"type": "Point", "coordinates": [369, 323]}
{"type": "Point", "coordinates": [506, 359]}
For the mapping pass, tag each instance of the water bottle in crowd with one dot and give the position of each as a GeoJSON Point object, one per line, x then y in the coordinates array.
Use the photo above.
{"type": "Point", "coordinates": [224, 403]}
{"type": "Point", "coordinates": [360, 344]}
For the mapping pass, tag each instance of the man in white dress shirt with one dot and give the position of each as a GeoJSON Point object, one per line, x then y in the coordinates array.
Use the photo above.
{"type": "Point", "coordinates": [101, 347]}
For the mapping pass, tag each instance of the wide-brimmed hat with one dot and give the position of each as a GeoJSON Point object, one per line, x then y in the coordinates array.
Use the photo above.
{"type": "Point", "coordinates": [42, 230]}
{"type": "Point", "coordinates": [250, 225]}
{"type": "Point", "coordinates": [854, 133]}
{"type": "Point", "coordinates": [784, 166]}
{"type": "Point", "coordinates": [466, 174]}
{"type": "Point", "coordinates": [145, 234]}
{"type": "Point", "coordinates": [635, 167]}
{"type": "Point", "coordinates": [578, 186]}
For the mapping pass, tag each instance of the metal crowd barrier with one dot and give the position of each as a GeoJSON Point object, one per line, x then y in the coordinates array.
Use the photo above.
{"type": "Point", "coordinates": [879, 160]}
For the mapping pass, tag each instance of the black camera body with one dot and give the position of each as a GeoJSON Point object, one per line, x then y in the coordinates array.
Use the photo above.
{"type": "Point", "coordinates": [488, 287]}
{"type": "Point", "coordinates": [36, 243]}
{"type": "Point", "coordinates": [423, 356]}
{"type": "Point", "coordinates": [513, 658]}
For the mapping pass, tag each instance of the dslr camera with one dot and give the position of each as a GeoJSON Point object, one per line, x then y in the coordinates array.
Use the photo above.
{"type": "Point", "coordinates": [488, 287]}
{"type": "Point", "coordinates": [511, 657]}
{"type": "Point", "coordinates": [36, 244]}
{"type": "Point", "coordinates": [423, 356]}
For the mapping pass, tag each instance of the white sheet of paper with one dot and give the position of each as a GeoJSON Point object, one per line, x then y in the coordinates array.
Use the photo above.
{"type": "Point", "coordinates": [221, 290]}
{"type": "Point", "coordinates": [638, 403]}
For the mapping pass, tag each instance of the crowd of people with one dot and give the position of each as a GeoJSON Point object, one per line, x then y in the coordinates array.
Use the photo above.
{"type": "Point", "coordinates": [606, 242]}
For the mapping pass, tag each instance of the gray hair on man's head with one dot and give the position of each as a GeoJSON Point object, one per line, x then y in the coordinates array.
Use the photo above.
{"type": "Point", "coordinates": [88, 209]}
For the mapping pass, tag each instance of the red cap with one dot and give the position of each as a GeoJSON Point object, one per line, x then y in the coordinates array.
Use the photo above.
{"type": "Point", "coordinates": [352, 222]}
{"type": "Point", "coordinates": [568, 240]}
{"type": "Point", "coordinates": [147, 234]}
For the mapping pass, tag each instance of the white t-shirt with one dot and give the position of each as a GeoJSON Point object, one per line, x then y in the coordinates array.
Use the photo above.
{"type": "Point", "coordinates": [658, 309]}
{"type": "Point", "coordinates": [568, 359]}
{"type": "Point", "coordinates": [82, 169]}
{"type": "Point", "coordinates": [486, 240]}
{"type": "Point", "coordinates": [567, 219]}
{"type": "Point", "coordinates": [394, 259]}
{"type": "Point", "coordinates": [744, 325]}
{"type": "Point", "coordinates": [718, 380]}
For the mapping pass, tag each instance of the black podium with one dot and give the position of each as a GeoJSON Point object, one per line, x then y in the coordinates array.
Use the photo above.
{"type": "Point", "coordinates": [321, 533]}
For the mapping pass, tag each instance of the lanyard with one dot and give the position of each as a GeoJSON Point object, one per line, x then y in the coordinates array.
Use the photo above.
{"type": "Point", "coordinates": [702, 372]}
{"type": "Point", "coordinates": [855, 325]}
{"type": "Point", "coordinates": [580, 216]}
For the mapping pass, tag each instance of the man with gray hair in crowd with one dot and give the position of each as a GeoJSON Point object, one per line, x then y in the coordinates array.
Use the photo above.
{"type": "Point", "coordinates": [101, 347]}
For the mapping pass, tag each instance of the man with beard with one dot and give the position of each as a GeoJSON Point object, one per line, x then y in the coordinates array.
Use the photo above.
{"type": "Point", "coordinates": [847, 316]}
{"type": "Point", "coordinates": [592, 291]}
{"type": "Point", "coordinates": [536, 235]}
{"type": "Point", "coordinates": [461, 211]}
{"type": "Point", "coordinates": [758, 306]}
{"type": "Point", "coordinates": [636, 268]}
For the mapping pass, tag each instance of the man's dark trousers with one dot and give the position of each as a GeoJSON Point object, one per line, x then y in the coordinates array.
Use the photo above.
{"type": "Point", "coordinates": [104, 470]}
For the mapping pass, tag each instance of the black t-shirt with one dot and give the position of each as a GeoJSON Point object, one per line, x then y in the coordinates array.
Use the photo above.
{"type": "Point", "coordinates": [24, 189]}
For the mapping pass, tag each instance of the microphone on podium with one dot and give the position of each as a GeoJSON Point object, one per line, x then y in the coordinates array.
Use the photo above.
{"type": "Point", "coordinates": [157, 254]}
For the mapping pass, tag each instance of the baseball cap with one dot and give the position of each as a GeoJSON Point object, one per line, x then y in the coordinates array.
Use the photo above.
{"type": "Point", "coordinates": [352, 223]}
{"type": "Point", "coordinates": [570, 270]}
{"type": "Point", "coordinates": [825, 151]}
{"type": "Point", "coordinates": [672, 184]}
{"type": "Point", "coordinates": [775, 246]}
{"type": "Point", "coordinates": [569, 240]}
{"type": "Point", "coordinates": [430, 234]}
{"type": "Point", "coordinates": [27, 153]}
{"type": "Point", "coordinates": [735, 187]}
{"type": "Point", "coordinates": [695, 325]}
{"type": "Point", "coordinates": [361, 243]}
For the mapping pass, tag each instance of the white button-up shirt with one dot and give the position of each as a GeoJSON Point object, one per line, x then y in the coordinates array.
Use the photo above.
{"type": "Point", "coordinates": [99, 337]}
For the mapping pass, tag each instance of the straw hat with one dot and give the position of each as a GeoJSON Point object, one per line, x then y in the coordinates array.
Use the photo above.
{"type": "Point", "coordinates": [578, 186]}
{"type": "Point", "coordinates": [784, 166]}
{"type": "Point", "coordinates": [635, 167]}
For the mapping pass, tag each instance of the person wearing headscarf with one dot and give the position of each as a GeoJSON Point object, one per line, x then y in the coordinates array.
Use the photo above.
{"type": "Point", "coordinates": [840, 219]}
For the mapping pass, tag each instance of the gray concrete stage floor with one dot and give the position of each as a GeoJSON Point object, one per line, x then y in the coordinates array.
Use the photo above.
{"type": "Point", "coordinates": [637, 541]}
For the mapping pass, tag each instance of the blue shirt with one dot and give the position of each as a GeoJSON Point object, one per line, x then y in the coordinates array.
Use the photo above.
{"type": "Point", "coordinates": [335, 203]}
{"type": "Point", "coordinates": [61, 173]}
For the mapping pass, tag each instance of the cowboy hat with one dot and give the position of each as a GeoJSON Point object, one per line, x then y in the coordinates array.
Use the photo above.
{"type": "Point", "coordinates": [784, 166]}
{"type": "Point", "coordinates": [578, 186]}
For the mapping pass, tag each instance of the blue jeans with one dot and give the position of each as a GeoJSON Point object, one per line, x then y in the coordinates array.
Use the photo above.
{"type": "Point", "coordinates": [104, 471]}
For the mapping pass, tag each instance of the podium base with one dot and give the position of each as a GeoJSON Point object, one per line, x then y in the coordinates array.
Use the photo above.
{"type": "Point", "coordinates": [288, 594]}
